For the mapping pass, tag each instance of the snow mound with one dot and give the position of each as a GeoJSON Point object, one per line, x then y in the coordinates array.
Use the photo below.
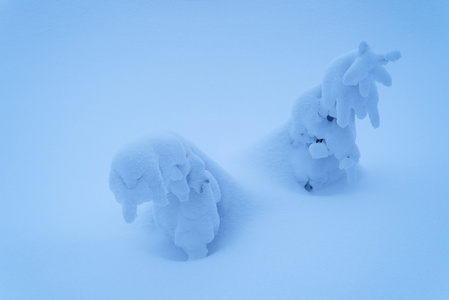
{"type": "Point", "coordinates": [167, 171]}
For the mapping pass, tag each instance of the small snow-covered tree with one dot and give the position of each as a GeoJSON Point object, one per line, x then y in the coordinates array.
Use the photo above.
{"type": "Point", "coordinates": [168, 171]}
{"type": "Point", "coordinates": [322, 125]}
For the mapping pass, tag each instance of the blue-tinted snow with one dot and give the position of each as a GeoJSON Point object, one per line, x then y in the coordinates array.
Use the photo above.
{"type": "Point", "coordinates": [164, 170]}
{"type": "Point", "coordinates": [79, 79]}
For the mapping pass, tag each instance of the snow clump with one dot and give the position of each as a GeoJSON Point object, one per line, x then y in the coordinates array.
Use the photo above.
{"type": "Point", "coordinates": [349, 85]}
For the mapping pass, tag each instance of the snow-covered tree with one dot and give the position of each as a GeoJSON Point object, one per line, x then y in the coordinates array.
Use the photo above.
{"type": "Point", "coordinates": [322, 125]}
{"type": "Point", "coordinates": [169, 171]}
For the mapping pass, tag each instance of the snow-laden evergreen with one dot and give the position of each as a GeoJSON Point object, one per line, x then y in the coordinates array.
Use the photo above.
{"type": "Point", "coordinates": [166, 171]}
{"type": "Point", "coordinates": [323, 118]}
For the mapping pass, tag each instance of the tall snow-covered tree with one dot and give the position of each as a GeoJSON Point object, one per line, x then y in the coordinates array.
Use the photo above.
{"type": "Point", "coordinates": [323, 119]}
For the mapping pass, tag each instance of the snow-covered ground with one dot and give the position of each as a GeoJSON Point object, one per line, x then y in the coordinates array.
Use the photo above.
{"type": "Point", "coordinates": [80, 79]}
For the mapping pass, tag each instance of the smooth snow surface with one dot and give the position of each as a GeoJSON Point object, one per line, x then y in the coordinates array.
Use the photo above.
{"type": "Point", "coordinates": [80, 79]}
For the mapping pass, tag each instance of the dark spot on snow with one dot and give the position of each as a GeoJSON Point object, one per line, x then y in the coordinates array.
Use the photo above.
{"type": "Point", "coordinates": [329, 118]}
{"type": "Point", "coordinates": [308, 187]}
{"type": "Point", "coordinates": [319, 140]}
